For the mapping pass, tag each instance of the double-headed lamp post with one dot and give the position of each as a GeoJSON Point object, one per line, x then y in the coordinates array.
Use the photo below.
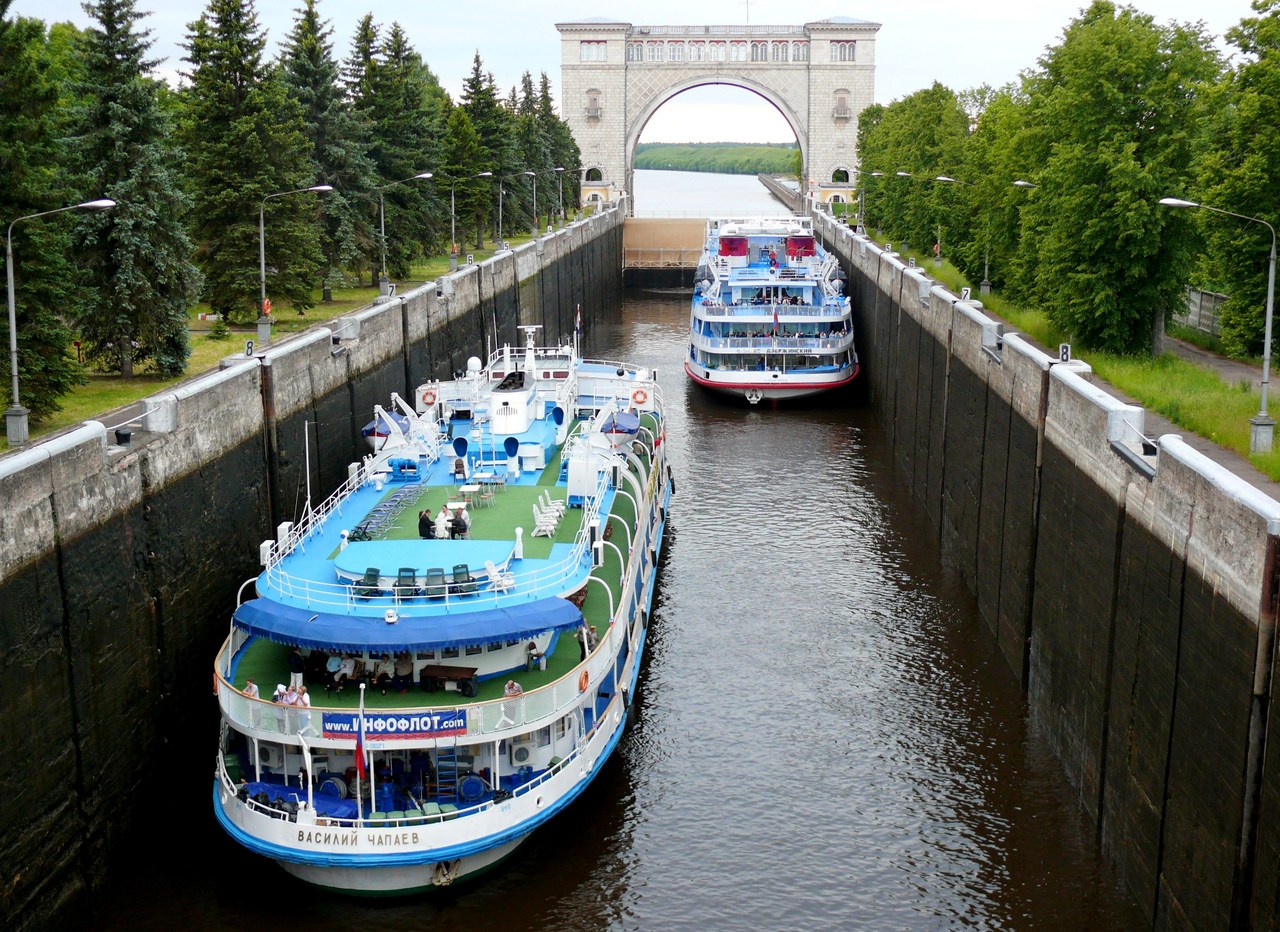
{"type": "Point", "coordinates": [382, 216]}
{"type": "Point", "coordinates": [264, 319]}
{"type": "Point", "coordinates": [453, 214]}
{"type": "Point", "coordinates": [16, 423]}
{"type": "Point", "coordinates": [1262, 429]}
{"type": "Point", "coordinates": [984, 286]}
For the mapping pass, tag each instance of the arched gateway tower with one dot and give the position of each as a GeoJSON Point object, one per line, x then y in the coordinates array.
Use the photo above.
{"type": "Point", "coordinates": [819, 76]}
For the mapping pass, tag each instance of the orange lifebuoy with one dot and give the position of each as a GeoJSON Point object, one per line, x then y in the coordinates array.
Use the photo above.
{"type": "Point", "coordinates": [429, 397]}
{"type": "Point", "coordinates": [582, 682]}
{"type": "Point", "coordinates": [639, 396]}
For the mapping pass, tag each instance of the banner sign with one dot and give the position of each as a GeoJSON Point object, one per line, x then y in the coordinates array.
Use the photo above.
{"type": "Point", "coordinates": [382, 728]}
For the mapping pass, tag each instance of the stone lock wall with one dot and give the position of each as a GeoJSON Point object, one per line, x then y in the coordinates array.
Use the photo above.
{"type": "Point", "coordinates": [1129, 582]}
{"type": "Point", "coordinates": [120, 565]}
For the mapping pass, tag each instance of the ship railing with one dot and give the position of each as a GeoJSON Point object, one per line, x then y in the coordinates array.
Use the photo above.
{"type": "Point", "coordinates": [825, 311]}
{"type": "Point", "coordinates": [548, 579]}
{"type": "Point", "coordinates": [749, 344]}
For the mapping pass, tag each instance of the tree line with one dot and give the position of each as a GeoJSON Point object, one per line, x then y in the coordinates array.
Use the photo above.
{"type": "Point", "coordinates": [1054, 184]}
{"type": "Point", "coordinates": [192, 169]}
{"type": "Point", "coordinates": [729, 158]}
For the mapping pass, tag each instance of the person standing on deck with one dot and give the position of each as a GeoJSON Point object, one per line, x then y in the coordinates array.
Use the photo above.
{"type": "Point", "coordinates": [296, 667]}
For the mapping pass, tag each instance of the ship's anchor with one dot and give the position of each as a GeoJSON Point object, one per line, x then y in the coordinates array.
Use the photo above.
{"type": "Point", "coordinates": [445, 873]}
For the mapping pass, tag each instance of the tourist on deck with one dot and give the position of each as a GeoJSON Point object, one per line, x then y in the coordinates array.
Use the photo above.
{"type": "Point", "coordinates": [512, 689]}
{"type": "Point", "coordinates": [331, 666]}
{"type": "Point", "coordinates": [426, 526]}
{"type": "Point", "coordinates": [402, 679]}
{"type": "Point", "coordinates": [460, 524]}
{"type": "Point", "coordinates": [346, 670]}
{"type": "Point", "coordinates": [297, 666]}
{"type": "Point", "coordinates": [302, 701]}
{"type": "Point", "coordinates": [443, 521]}
{"type": "Point", "coordinates": [383, 672]}
{"type": "Point", "coordinates": [251, 693]}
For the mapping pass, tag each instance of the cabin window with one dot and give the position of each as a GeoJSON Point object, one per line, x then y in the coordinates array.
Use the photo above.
{"type": "Point", "coordinates": [593, 51]}
{"type": "Point", "coordinates": [562, 727]}
{"type": "Point", "coordinates": [447, 653]}
{"type": "Point", "coordinates": [426, 655]}
{"type": "Point", "coordinates": [544, 736]}
{"type": "Point", "coordinates": [513, 642]}
{"type": "Point", "coordinates": [474, 649]}
{"type": "Point", "coordinates": [496, 645]}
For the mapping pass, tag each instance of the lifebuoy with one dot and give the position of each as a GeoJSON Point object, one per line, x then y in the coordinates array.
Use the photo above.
{"type": "Point", "coordinates": [639, 396]}
{"type": "Point", "coordinates": [429, 397]}
{"type": "Point", "coordinates": [582, 682]}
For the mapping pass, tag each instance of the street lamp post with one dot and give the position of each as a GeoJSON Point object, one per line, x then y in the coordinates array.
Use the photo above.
{"type": "Point", "coordinates": [453, 216]}
{"type": "Point", "coordinates": [534, 176]}
{"type": "Point", "coordinates": [264, 319]}
{"type": "Point", "coordinates": [1262, 429]}
{"type": "Point", "coordinates": [560, 193]}
{"type": "Point", "coordinates": [382, 220]}
{"type": "Point", "coordinates": [985, 285]}
{"type": "Point", "coordinates": [16, 423]}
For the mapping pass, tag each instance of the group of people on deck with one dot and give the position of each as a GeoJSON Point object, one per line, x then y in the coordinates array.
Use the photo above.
{"type": "Point", "coordinates": [445, 525]}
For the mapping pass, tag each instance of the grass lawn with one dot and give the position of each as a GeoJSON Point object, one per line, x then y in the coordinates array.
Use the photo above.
{"type": "Point", "coordinates": [105, 392]}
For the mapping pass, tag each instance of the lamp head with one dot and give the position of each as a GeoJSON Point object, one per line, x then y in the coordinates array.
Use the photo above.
{"type": "Point", "coordinates": [485, 175]}
{"type": "Point", "coordinates": [320, 188]}
{"type": "Point", "coordinates": [104, 203]}
{"type": "Point", "coordinates": [424, 175]}
{"type": "Point", "coordinates": [1177, 202]}
{"type": "Point", "coordinates": [946, 178]}
{"type": "Point", "coordinates": [877, 174]}
{"type": "Point", "coordinates": [1023, 184]}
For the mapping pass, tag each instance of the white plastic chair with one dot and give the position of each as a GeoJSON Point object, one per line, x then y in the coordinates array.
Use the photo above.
{"type": "Point", "coordinates": [551, 505]}
{"type": "Point", "coordinates": [499, 580]}
{"type": "Point", "coordinates": [544, 524]}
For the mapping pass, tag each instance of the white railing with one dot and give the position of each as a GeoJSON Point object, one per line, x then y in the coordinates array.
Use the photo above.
{"type": "Point", "coordinates": [765, 311]}
{"type": "Point", "coordinates": [770, 343]}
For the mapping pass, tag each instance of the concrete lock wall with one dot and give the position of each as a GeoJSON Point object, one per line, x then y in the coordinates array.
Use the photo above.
{"type": "Point", "coordinates": [1128, 581]}
{"type": "Point", "coordinates": [121, 564]}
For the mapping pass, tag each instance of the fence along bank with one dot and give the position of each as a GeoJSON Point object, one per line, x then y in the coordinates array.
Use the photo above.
{"type": "Point", "coordinates": [1129, 582]}
{"type": "Point", "coordinates": [120, 564]}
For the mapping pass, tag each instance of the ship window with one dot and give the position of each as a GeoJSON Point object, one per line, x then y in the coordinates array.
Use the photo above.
{"type": "Point", "coordinates": [544, 736]}
{"type": "Point", "coordinates": [496, 645]}
{"type": "Point", "coordinates": [513, 642]}
{"type": "Point", "coordinates": [473, 649]}
{"type": "Point", "coordinates": [448, 652]}
{"type": "Point", "coordinates": [426, 655]}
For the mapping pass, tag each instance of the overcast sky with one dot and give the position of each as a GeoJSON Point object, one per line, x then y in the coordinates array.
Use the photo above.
{"type": "Point", "coordinates": [963, 45]}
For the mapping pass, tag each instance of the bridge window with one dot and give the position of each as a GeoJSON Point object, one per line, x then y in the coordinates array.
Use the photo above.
{"type": "Point", "coordinates": [840, 176]}
{"type": "Point", "coordinates": [594, 174]}
{"type": "Point", "coordinates": [654, 51]}
{"type": "Point", "coordinates": [800, 51]}
{"type": "Point", "coordinates": [675, 51]}
{"type": "Point", "coordinates": [843, 50]}
{"type": "Point", "coordinates": [697, 51]}
{"type": "Point", "coordinates": [737, 51]}
{"type": "Point", "coordinates": [780, 51]}
{"type": "Point", "coordinates": [592, 51]}
{"type": "Point", "coordinates": [759, 51]}
{"type": "Point", "coordinates": [716, 51]}
{"type": "Point", "coordinates": [635, 51]}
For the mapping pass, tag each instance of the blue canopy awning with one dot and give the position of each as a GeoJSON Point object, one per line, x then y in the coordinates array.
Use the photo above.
{"type": "Point", "coordinates": [288, 624]}
{"type": "Point", "coordinates": [378, 426]}
{"type": "Point", "coordinates": [620, 422]}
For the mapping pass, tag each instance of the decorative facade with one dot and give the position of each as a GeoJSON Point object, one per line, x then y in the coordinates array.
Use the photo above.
{"type": "Point", "coordinates": [615, 76]}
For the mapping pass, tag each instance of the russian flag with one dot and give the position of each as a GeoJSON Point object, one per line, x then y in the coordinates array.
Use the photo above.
{"type": "Point", "coordinates": [577, 320]}
{"type": "Point", "coordinates": [360, 764]}
{"type": "Point", "coordinates": [775, 321]}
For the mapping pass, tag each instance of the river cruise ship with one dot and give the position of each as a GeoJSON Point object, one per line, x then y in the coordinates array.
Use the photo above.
{"type": "Point", "coordinates": [442, 656]}
{"type": "Point", "coordinates": [769, 320]}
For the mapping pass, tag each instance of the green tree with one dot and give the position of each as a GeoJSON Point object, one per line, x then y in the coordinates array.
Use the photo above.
{"type": "Point", "coordinates": [338, 144]}
{"type": "Point", "coordinates": [494, 126]}
{"type": "Point", "coordinates": [1241, 173]}
{"type": "Point", "coordinates": [1112, 114]}
{"type": "Point", "coordinates": [245, 142]}
{"type": "Point", "coordinates": [564, 149]}
{"type": "Point", "coordinates": [138, 255]}
{"type": "Point", "coordinates": [460, 156]}
{"type": "Point", "coordinates": [32, 180]}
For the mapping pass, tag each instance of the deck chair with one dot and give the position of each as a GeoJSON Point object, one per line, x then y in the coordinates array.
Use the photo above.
{"type": "Point", "coordinates": [407, 582]}
{"type": "Point", "coordinates": [368, 587]}
{"type": "Point", "coordinates": [435, 587]}
{"type": "Point", "coordinates": [463, 582]}
{"type": "Point", "coordinates": [544, 523]}
{"type": "Point", "coordinates": [555, 506]}
{"type": "Point", "coordinates": [499, 580]}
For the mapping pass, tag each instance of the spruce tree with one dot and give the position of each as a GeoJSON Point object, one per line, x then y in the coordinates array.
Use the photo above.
{"type": "Point", "coordinates": [137, 255]}
{"type": "Point", "coordinates": [32, 180]}
{"type": "Point", "coordinates": [245, 143]}
{"type": "Point", "coordinates": [564, 149]}
{"type": "Point", "coordinates": [338, 141]}
{"type": "Point", "coordinates": [494, 126]}
{"type": "Point", "coordinates": [461, 155]}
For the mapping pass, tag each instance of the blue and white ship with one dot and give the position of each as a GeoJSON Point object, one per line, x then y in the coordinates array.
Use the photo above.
{"type": "Point", "coordinates": [467, 614]}
{"type": "Point", "coordinates": [768, 317]}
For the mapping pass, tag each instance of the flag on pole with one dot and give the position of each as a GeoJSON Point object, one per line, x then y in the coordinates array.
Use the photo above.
{"type": "Point", "coordinates": [775, 321]}
{"type": "Point", "coordinates": [360, 765]}
{"type": "Point", "coordinates": [577, 320]}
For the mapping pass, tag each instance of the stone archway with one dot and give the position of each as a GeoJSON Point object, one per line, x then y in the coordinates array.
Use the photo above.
{"type": "Point", "coordinates": [819, 76]}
